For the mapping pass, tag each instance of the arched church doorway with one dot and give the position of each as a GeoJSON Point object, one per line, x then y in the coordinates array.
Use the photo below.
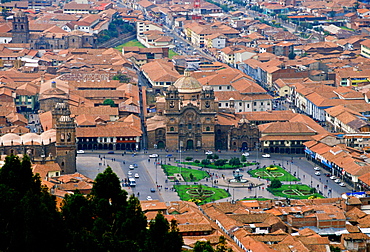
{"type": "Point", "coordinates": [244, 146]}
{"type": "Point", "coordinates": [160, 145]}
{"type": "Point", "coordinates": [190, 144]}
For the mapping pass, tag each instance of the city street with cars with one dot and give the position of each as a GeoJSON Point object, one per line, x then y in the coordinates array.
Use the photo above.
{"type": "Point", "coordinates": [145, 169]}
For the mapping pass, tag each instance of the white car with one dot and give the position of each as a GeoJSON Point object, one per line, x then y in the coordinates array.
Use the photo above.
{"type": "Point", "coordinates": [266, 155]}
{"type": "Point", "coordinates": [333, 177]}
{"type": "Point", "coordinates": [317, 173]}
{"type": "Point", "coordinates": [149, 198]}
{"type": "Point", "coordinates": [136, 175]}
{"type": "Point", "coordinates": [131, 167]}
{"type": "Point", "coordinates": [80, 152]}
{"type": "Point", "coordinates": [153, 155]}
{"type": "Point", "coordinates": [316, 168]}
{"type": "Point", "coordinates": [209, 152]}
{"type": "Point", "coordinates": [337, 181]}
{"type": "Point", "coordinates": [342, 184]}
{"type": "Point", "coordinates": [245, 154]}
{"type": "Point", "coordinates": [129, 173]}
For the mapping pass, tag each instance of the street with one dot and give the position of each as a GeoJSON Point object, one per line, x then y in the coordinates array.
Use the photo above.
{"type": "Point", "coordinates": [89, 164]}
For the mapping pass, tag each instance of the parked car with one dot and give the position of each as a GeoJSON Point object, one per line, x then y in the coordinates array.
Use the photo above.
{"type": "Point", "coordinates": [153, 155]}
{"type": "Point", "coordinates": [135, 165]}
{"type": "Point", "coordinates": [80, 152]}
{"type": "Point", "coordinates": [333, 177]}
{"type": "Point", "coordinates": [110, 152]}
{"type": "Point", "coordinates": [136, 175]}
{"type": "Point", "coordinates": [317, 173]}
{"type": "Point", "coordinates": [316, 168]}
{"type": "Point", "coordinates": [209, 152]}
{"type": "Point", "coordinates": [245, 154]}
{"type": "Point", "coordinates": [152, 190]}
{"type": "Point", "coordinates": [342, 184]}
{"type": "Point", "coordinates": [337, 181]}
{"type": "Point", "coordinates": [327, 174]}
{"type": "Point", "coordinates": [131, 167]}
{"type": "Point", "coordinates": [149, 198]}
{"type": "Point", "coordinates": [129, 173]}
{"type": "Point", "coordinates": [266, 155]}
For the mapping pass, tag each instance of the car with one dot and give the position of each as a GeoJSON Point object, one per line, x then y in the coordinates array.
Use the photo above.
{"type": "Point", "coordinates": [209, 152]}
{"type": "Point", "coordinates": [327, 174]}
{"type": "Point", "coordinates": [266, 155]}
{"type": "Point", "coordinates": [135, 165]}
{"type": "Point", "coordinates": [317, 173]}
{"type": "Point", "coordinates": [129, 173]}
{"type": "Point", "coordinates": [245, 154]}
{"type": "Point", "coordinates": [337, 181]}
{"type": "Point", "coordinates": [149, 198]}
{"type": "Point", "coordinates": [333, 177]}
{"type": "Point", "coordinates": [342, 184]}
{"type": "Point", "coordinates": [136, 175]}
{"type": "Point", "coordinates": [316, 168]}
{"type": "Point", "coordinates": [110, 152]}
{"type": "Point", "coordinates": [131, 167]}
{"type": "Point", "coordinates": [152, 190]}
{"type": "Point", "coordinates": [80, 152]}
{"type": "Point", "coordinates": [153, 155]}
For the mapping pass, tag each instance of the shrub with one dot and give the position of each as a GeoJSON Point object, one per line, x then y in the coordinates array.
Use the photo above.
{"type": "Point", "coordinates": [188, 158]}
{"type": "Point", "coordinates": [197, 161]}
{"type": "Point", "coordinates": [275, 183]}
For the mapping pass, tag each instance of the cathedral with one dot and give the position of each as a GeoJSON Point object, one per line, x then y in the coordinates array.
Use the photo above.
{"type": "Point", "coordinates": [56, 145]}
{"type": "Point", "coordinates": [21, 33]}
{"type": "Point", "coordinates": [188, 118]}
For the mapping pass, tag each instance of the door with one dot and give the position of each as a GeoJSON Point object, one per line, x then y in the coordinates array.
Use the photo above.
{"type": "Point", "coordinates": [190, 144]}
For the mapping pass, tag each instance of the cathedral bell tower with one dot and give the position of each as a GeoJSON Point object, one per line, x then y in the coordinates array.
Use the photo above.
{"type": "Point", "coordinates": [172, 99]}
{"type": "Point", "coordinates": [207, 100]}
{"type": "Point", "coordinates": [65, 138]}
{"type": "Point", "coordinates": [20, 31]}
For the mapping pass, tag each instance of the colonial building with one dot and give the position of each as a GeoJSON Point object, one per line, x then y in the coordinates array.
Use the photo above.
{"type": "Point", "coordinates": [190, 115]}
{"type": "Point", "coordinates": [188, 118]}
{"type": "Point", "coordinates": [55, 38]}
{"type": "Point", "coordinates": [56, 145]}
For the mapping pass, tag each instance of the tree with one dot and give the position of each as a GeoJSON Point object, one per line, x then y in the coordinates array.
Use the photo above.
{"type": "Point", "coordinates": [275, 183]}
{"type": "Point", "coordinates": [161, 237]}
{"type": "Point", "coordinates": [209, 156]}
{"type": "Point", "coordinates": [109, 102]}
{"type": "Point", "coordinates": [191, 176]}
{"type": "Point", "coordinates": [234, 162]}
{"type": "Point", "coordinates": [215, 156]}
{"type": "Point", "coordinates": [188, 158]}
{"type": "Point", "coordinates": [197, 161]}
{"type": "Point", "coordinates": [221, 246]}
{"type": "Point", "coordinates": [243, 159]}
{"type": "Point", "coordinates": [202, 246]}
{"type": "Point", "coordinates": [205, 162]}
{"type": "Point", "coordinates": [220, 162]}
{"type": "Point", "coordinates": [123, 78]}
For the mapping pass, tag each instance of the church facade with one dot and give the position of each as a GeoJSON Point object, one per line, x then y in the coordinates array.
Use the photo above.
{"type": "Point", "coordinates": [48, 40]}
{"type": "Point", "coordinates": [188, 118]}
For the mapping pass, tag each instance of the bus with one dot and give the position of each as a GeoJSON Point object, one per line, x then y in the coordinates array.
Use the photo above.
{"type": "Point", "coordinates": [132, 182]}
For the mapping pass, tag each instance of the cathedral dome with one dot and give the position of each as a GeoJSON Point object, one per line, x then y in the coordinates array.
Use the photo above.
{"type": "Point", "coordinates": [188, 84]}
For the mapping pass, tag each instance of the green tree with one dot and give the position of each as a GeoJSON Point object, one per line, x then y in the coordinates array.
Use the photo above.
{"type": "Point", "coordinates": [188, 158]}
{"type": "Point", "coordinates": [275, 183]}
{"type": "Point", "coordinates": [123, 78]}
{"type": "Point", "coordinates": [160, 236]}
{"type": "Point", "coordinates": [243, 159]}
{"type": "Point", "coordinates": [191, 176]}
{"type": "Point", "coordinates": [197, 161]}
{"type": "Point", "coordinates": [221, 246]}
{"type": "Point", "coordinates": [234, 162]}
{"type": "Point", "coordinates": [109, 102]}
{"type": "Point", "coordinates": [215, 156]}
{"type": "Point", "coordinates": [202, 246]}
{"type": "Point", "coordinates": [209, 156]}
{"type": "Point", "coordinates": [205, 162]}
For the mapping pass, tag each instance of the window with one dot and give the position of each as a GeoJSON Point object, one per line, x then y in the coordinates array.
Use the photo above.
{"type": "Point", "coordinates": [240, 104]}
{"type": "Point", "coordinates": [219, 88]}
{"type": "Point", "coordinates": [226, 104]}
{"type": "Point", "coordinates": [248, 105]}
{"type": "Point", "coordinates": [208, 128]}
{"type": "Point", "coordinates": [228, 87]}
{"type": "Point", "coordinates": [190, 126]}
{"type": "Point", "coordinates": [261, 103]}
{"type": "Point", "coordinates": [219, 104]}
{"type": "Point", "coordinates": [255, 103]}
{"type": "Point", "coordinates": [172, 129]}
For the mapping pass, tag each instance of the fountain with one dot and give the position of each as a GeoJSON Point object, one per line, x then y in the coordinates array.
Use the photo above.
{"type": "Point", "coordinates": [238, 178]}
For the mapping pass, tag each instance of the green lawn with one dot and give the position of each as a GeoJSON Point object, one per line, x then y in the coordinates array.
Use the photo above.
{"type": "Point", "coordinates": [211, 195]}
{"type": "Point", "coordinates": [185, 172]}
{"type": "Point", "coordinates": [171, 53]}
{"type": "Point", "coordinates": [133, 42]}
{"type": "Point", "coordinates": [279, 174]}
{"type": "Point", "coordinates": [294, 192]}
{"type": "Point", "coordinates": [226, 166]}
{"type": "Point", "coordinates": [346, 28]}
